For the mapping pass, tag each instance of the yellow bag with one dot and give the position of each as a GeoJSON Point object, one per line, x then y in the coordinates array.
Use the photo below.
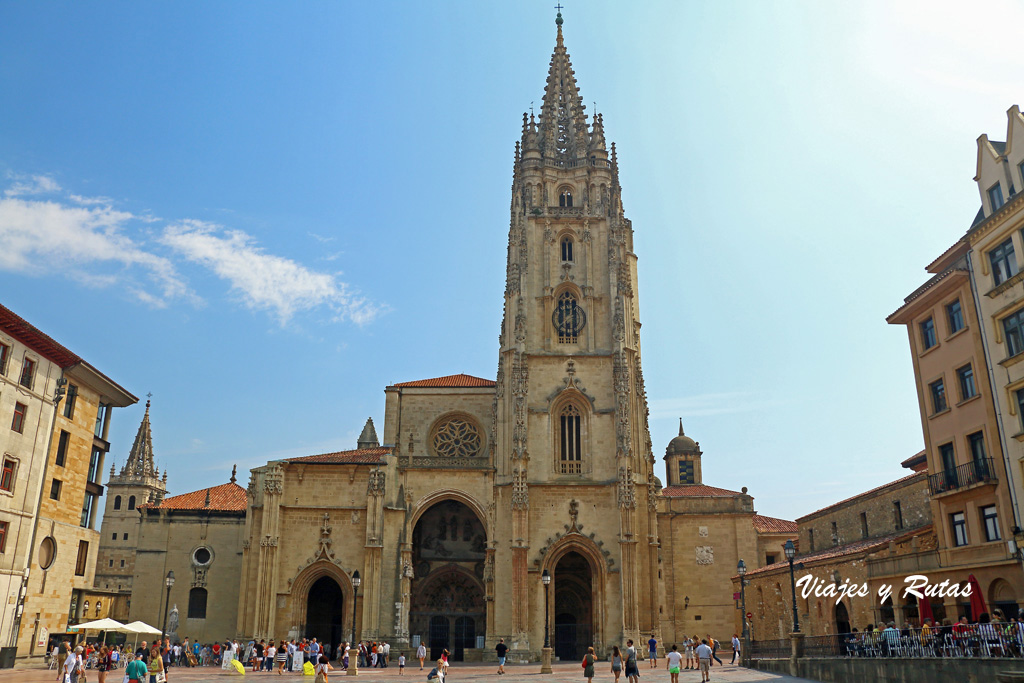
{"type": "Point", "coordinates": [307, 669]}
{"type": "Point", "coordinates": [238, 666]}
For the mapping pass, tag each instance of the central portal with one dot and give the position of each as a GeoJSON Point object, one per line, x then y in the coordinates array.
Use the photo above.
{"type": "Point", "coordinates": [448, 609]}
{"type": "Point", "coordinates": [325, 607]}
{"type": "Point", "coordinates": [573, 607]}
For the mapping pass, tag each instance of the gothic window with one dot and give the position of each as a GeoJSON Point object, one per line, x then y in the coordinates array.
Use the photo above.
{"type": "Point", "coordinates": [457, 437]}
{"type": "Point", "coordinates": [570, 453]}
{"type": "Point", "coordinates": [565, 198]}
{"type": "Point", "coordinates": [131, 502]}
{"type": "Point", "coordinates": [568, 319]}
{"type": "Point", "coordinates": [117, 502]}
{"type": "Point", "coordinates": [567, 248]}
{"type": "Point", "coordinates": [197, 603]}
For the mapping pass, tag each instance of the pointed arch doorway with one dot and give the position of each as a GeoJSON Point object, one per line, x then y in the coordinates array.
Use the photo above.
{"type": "Point", "coordinates": [573, 606]}
{"type": "Point", "coordinates": [325, 609]}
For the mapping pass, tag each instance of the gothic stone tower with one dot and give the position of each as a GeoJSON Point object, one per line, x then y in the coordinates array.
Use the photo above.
{"type": "Point", "coordinates": [138, 483]}
{"type": "Point", "coordinates": [575, 490]}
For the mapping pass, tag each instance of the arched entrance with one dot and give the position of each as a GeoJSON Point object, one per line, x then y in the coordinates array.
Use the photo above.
{"type": "Point", "coordinates": [448, 608]}
{"type": "Point", "coordinates": [325, 609]}
{"type": "Point", "coordinates": [1002, 597]}
{"type": "Point", "coordinates": [573, 603]}
{"type": "Point", "coordinates": [842, 618]}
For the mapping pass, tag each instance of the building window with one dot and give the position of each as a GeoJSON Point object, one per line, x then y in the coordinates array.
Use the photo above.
{"type": "Point", "coordinates": [810, 539]}
{"type": "Point", "coordinates": [965, 376]}
{"type": "Point", "coordinates": [835, 533]}
{"type": "Point", "coordinates": [995, 195]}
{"type": "Point", "coordinates": [94, 465]}
{"type": "Point", "coordinates": [567, 249]}
{"type": "Point", "coordinates": [7, 477]}
{"type": "Point", "coordinates": [928, 339]}
{"type": "Point", "coordinates": [897, 515]}
{"type": "Point", "coordinates": [18, 423]}
{"type": "Point", "coordinates": [568, 319]}
{"type": "Point", "coordinates": [863, 525]}
{"type": "Point", "coordinates": [686, 475]}
{"type": "Point", "coordinates": [570, 440]}
{"type": "Point", "coordinates": [959, 524]}
{"type": "Point", "coordinates": [101, 419]}
{"type": "Point", "coordinates": [938, 391]}
{"type": "Point", "coordinates": [1004, 264]}
{"type": "Point", "coordinates": [5, 354]}
{"type": "Point", "coordinates": [28, 372]}
{"type": "Point", "coordinates": [977, 444]}
{"type": "Point", "coordinates": [111, 564]}
{"type": "Point", "coordinates": [62, 448]}
{"type": "Point", "coordinates": [117, 506]}
{"type": "Point", "coordinates": [69, 402]}
{"type": "Point", "coordinates": [122, 564]}
{"type": "Point", "coordinates": [955, 317]}
{"type": "Point", "coordinates": [1013, 327]}
{"type": "Point", "coordinates": [197, 603]}
{"type": "Point", "coordinates": [55, 489]}
{"type": "Point", "coordinates": [990, 519]}
{"type": "Point", "coordinates": [3, 536]}
{"type": "Point", "coordinates": [770, 558]}
{"type": "Point", "coordinates": [83, 558]}
{"type": "Point", "coordinates": [565, 198]}
{"type": "Point", "coordinates": [131, 502]}
{"type": "Point", "coordinates": [124, 537]}
{"type": "Point", "coordinates": [113, 536]}
{"type": "Point", "coordinates": [87, 504]}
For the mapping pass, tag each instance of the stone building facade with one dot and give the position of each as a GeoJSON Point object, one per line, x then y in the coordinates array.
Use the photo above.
{"type": "Point", "coordinates": [198, 536]}
{"type": "Point", "coordinates": [483, 487]}
{"type": "Point", "coordinates": [60, 408]}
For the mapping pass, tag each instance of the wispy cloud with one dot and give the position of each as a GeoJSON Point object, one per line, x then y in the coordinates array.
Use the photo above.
{"type": "Point", "coordinates": [723, 403]}
{"type": "Point", "coordinates": [30, 185]}
{"type": "Point", "coordinates": [264, 281]}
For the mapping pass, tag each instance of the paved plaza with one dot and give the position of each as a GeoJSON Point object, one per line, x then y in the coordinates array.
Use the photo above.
{"type": "Point", "coordinates": [459, 673]}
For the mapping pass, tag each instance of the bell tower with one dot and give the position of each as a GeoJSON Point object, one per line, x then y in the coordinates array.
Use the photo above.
{"type": "Point", "coordinates": [570, 408]}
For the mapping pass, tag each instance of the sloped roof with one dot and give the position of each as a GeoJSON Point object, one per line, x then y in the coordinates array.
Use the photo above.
{"type": "Point", "coordinates": [359, 456]}
{"type": "Point", "coordinates": [901, 480]}
{"type": "Point", "coordinates": [34, 338]}
{"type": "Point", "coordinates": [226, 497]}
{"type": "Point", "coordinates": [773, 525]}
{"type": "Point", "coordinates": [698, 491]}
{"type": "Point", "coordinates": [448, 381]}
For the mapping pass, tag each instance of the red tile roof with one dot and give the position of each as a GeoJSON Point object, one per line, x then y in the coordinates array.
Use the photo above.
{"type": "Point", "coordinates": [35, 339]}
{"type": "Point", "coordinates": [226, 497]}
{"type": "Point", "coordinates": [698, 491]}
{"type": "Point", "coordinates": [773, 525]}
{"type": "Point", "coordinates": [361, 456]}
{"type": "Point", "coordinates": [901, 480]}
{"type": "Point", "coordinates": [448, 381]}
{"type": "Point", "coordinates": [916, 462]}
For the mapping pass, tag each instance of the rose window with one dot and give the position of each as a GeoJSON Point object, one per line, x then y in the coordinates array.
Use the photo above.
{"type": "Point", "coordinates": [457, 438]}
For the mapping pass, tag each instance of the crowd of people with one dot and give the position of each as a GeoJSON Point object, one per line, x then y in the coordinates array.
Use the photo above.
{"type": "Point", "coordinates": [992, 636]}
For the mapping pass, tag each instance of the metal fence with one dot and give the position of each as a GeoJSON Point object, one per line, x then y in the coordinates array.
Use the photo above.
{"type": "Point", "coordinates": [959, 640]}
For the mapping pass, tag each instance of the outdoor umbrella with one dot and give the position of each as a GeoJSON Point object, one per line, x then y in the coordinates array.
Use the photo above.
{"type": "Point", "coordinates": [977, 602]}
{"type": "Point", "coordinates": [925, 609]}
{"type": "Point", "coordinates": [102, 625]}
{"type": "Point", "coordinates": [140, 628]}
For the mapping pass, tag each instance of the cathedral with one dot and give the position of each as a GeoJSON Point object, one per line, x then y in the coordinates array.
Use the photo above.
{"type": "Point", "coordinates": [526, 506]}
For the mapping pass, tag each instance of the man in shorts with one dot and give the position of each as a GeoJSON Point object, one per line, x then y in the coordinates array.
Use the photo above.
{"type": "Point", "coordinates": [704, 659]}
{"type": "Point", "coordinates": [652, 650]}
{"type": "Point", "coordinates": [501, 649]}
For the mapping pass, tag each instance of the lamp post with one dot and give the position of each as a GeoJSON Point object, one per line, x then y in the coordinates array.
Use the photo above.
{"type": "Point", "coordinates": [545, 660]}
{"type": "Point", "coordinates": [169, 581]}
{"type": "Point", "coordinates": [741, 569]}
{"type": "Point", "coordinates": [353, 652]}
{"type": "Point", "coordinates": [790, 551]}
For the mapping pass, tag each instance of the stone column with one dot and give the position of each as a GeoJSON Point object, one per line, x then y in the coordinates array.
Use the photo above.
{"type": "Point", "coordinates": [353, 659]}
{"type": "Point", "coordinates": [796, 652]}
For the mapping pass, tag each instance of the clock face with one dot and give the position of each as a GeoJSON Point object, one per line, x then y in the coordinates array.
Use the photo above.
{"type": "Point", "coordinates": [568, 319]}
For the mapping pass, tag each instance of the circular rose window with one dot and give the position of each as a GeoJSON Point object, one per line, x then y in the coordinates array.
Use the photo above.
{"type": "Point", "coordinates": [47, 552]}
{"type": "Point", "coordinates": [202, 556]}
{"type": "Point", "coordinates": [457, 438]}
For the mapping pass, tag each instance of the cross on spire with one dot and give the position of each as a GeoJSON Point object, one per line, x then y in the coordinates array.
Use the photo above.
{"type": "Point", "coordinates": [559, 7]}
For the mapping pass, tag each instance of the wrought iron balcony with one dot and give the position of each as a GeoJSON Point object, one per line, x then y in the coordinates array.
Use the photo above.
{"type": "Point", "coordinates": [978, 471]}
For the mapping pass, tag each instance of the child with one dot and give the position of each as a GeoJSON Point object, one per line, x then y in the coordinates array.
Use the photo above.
{"type": "Point", "coordinates": [674, 659]}
{"type": "Point", "coordinates": [401, 664]}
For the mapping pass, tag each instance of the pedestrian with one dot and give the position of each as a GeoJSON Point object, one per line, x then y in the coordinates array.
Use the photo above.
{"type": "Point", "coordinates": [321, 669]}
{"type": "Point", "coordinates": [103, 664]}
{"type": "Point", "coordinates": [652, 647]}
{"type": "Point", "coordinates": [73, 665]}
{"type": "Point", "coordinates": [401, 664]}
{"type": "Point", "coordinates": [691, 661]}
{"type": "Point", "coordinates": [714, 649]}
{"type": "Point", "coordinates": [632, 673]}
{"type": "Point", "coordinates": [136, 671]}
{"type": "Point", "coordinates": [673, 660]}
{"type": "Point", "coordinates": [703, 653]}
{"type": "Point", "coordinates": [62, 656]}
{"type": "Point", "coordinates": [588, 665]}
{"type": "Point", "coordinates": [616, 662]}
{"type": "Point", "coordinates": [156, 665]}
{"type": "Point", "coordinates": [387, 654]}
{"type": "Point", "coordinates": [421, 653]}
{"type": "Point", "coordinates": [501, 648]}
{"type": "Point", "coordinates": [735, 648]}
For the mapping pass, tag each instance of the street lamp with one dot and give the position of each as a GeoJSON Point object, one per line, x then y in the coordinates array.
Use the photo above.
{"type": "Point", "coordinates": [545, 662]}
{"type": "Point", "coordinates": [790, 551]}
{"type": "Point", "coordinates": [169, 581]}
{"type": "Point", "coordinates": [741, 569]}
{"type": "Point", "coordinates": [355, 595]}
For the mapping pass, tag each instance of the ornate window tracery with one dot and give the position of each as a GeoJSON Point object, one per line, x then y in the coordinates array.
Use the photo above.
{"type": "Point", "coordinates": [565, 198]}
{"type": "Point", "coordinates": [570, 438]}
{"type": "Point", "coordinates": [457, 437]}
{"type": "Point", "coordinates": [569, 319]}
{"type": "Point", "coordinates": [567, 249]}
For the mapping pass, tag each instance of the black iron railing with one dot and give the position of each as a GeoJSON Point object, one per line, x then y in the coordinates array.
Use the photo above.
{"type": "Point", "coordinates": [974, 472]}
{"type": "Point", "coordinates": [771, 649]}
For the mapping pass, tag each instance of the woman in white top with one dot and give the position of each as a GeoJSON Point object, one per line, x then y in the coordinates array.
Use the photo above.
{"type": "Point", "coordinates": [72, 665]}
{"type": "Point", "coordinates": [421, 654]}
{"type": "Point", "coordinates": [321, 669]}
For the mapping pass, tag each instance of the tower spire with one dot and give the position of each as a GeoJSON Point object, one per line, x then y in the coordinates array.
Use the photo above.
{"type": "Point", "coordinates": [140, 458]}
{"type": "Point", "coordinates": [563, 124]}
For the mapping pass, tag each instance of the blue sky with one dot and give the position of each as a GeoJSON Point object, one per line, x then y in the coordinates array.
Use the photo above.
{"type": "Point", "coordinates": [263, 213]}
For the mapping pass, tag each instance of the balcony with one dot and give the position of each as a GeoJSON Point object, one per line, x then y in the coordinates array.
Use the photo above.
{"type": "Point", "coordinates": [979, 471]}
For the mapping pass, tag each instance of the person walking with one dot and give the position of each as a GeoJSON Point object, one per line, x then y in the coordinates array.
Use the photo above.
{"type": "Point", "coordinates": [632, 673]}
{"type": "Point", "coordinates": [136, 671]}
{"type": "Point", "coordinates": [401, 664]}
{"type": "Point", "coordinates": [714, 649]}
{"type": "Point", "coordinates": [502, 649]}
{"type": "Point", "coordinates": [673, 661]}
{"type": "Point", "coordinates": [691, 661]}
{"type": "Point", "coordinates": [62, 657]}
{"type": "Point", "coordinates": [616, 662]}
{"type": "Point", "coordinates": [652, 648]}
{"type": "Point", "coordinates": [703, 653]}
{"type": "Point", "coordinates": [735, 648]}
{"type": "Point", "coordinates": [322, 667]}
{"type": "Point", "coordinates": [103, 664]}
{"type": "Point", "coordinates": [421, 654]}
{"type": "Point", "coordinates": [156, 664]}
{"type": "Point", "coordinates": [73, 665]}
{"type": "Point", "coordinates": [588, 665]}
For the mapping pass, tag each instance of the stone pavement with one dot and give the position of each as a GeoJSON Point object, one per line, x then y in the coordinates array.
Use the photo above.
{"type": "Point", "coordinates": [458, 673]}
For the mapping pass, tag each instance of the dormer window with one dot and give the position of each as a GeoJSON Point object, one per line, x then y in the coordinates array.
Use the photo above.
{"type": "Point", "coordinates": [995, 197]}
{"type": "Point", "coordinates": [567, 249]}
{"type": "Point", "coordinates": [565, 198]}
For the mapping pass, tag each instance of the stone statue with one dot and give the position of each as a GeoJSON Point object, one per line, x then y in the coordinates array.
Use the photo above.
{"type": "Point", "coordinates": [172, 621]}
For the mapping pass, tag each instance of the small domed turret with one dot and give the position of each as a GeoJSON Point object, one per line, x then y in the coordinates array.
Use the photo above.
{"type": "Point", "coordinates": [682, 460]}
{"type": "Point", "coordinates": [682, 443]}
